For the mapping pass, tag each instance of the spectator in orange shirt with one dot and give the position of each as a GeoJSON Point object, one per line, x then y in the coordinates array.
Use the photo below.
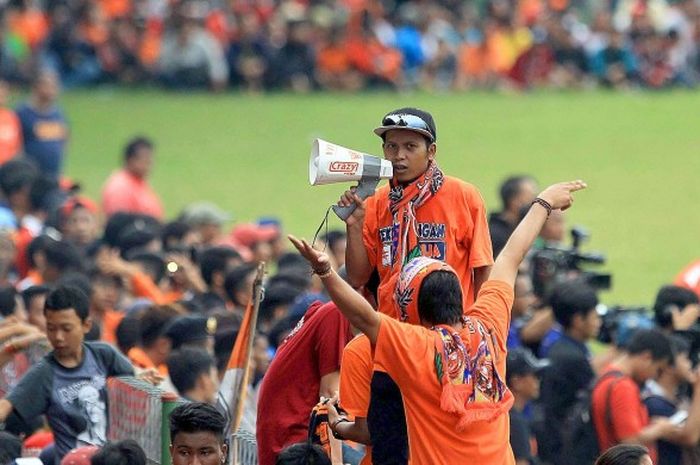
{"type": "Point", "coordinates": [127, 190]}
{"type": "Point", "coordinates": [451, 376]}
{"type": "Point", "coordinates": [421, 212]}
{"type": "Point", "coordinates": [106, 294]}
{"type": "Point", "coordinates": [10, 128]}
{"type": "Point", "coordinates": [79, 222]}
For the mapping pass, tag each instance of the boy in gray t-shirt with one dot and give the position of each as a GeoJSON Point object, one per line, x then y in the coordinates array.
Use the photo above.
{"type": "Point", "coordinates": [69, 384]}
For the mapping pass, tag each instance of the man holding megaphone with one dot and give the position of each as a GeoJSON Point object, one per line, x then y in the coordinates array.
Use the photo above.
{"type": "Point", "coordinates": [421, 212]}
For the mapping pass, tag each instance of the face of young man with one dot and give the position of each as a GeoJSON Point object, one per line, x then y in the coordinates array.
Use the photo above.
{"type": "Point", "coordinates": [81, 226]}
{"type": "Point", "coordinates": [200, 448]}
{"type": "Point", "coordinates": [408, 153]}
{"type": "Point", "coordinates": [66, 333]}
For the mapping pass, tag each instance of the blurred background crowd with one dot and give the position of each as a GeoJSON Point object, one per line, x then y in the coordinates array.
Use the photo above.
{"type": "Point", "coordinates": [347, 45]}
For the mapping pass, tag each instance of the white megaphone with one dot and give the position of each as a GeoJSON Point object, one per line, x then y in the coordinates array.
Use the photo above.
{"type": "Point", "coordinates": [331, 163]}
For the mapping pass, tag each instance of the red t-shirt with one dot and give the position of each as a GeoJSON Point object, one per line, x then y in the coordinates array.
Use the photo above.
{"type": "Point", "coordinates": [290, 388]}
{"type": "Point", "coordinates": [124, 192]}
{"type": "Point", "coordinates": [628, 415]}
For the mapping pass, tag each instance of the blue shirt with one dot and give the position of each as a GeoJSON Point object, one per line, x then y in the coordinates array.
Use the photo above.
{"type": "Point", "coordinates": [45, 135]}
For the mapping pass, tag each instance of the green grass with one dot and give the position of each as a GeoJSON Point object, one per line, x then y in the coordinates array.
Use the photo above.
{"type": "Point", "coordinates": [638, 152]}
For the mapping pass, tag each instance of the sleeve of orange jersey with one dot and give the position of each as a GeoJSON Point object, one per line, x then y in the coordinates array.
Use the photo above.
{"type": "Point", "coordinates": [480, 248]}
{"type": "Point", "coordinates": [492, 307]}
{"type": "Point", "coordinates": [403, 349]}
{"type": "Point", "coordinates": [370, 231]}
{"type": "Point", "coordinates": [356, 376]}
{"type": "Point", "coordinates": [143, 286]}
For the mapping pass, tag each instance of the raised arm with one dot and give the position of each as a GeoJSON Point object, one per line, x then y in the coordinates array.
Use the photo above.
{"type": "Point", "coordinates": [355, 308]}
{"type": "Point", "coordinates": [559, 197]}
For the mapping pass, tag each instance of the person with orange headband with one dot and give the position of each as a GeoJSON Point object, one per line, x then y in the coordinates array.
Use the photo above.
{"type": "Point", "coordinates": [451, 368]}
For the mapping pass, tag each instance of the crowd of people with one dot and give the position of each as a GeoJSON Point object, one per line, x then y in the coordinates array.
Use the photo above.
{"type": "Point", "coordinates": [405, 338]}
{"type": "Point", "coordinates": [347, 45]}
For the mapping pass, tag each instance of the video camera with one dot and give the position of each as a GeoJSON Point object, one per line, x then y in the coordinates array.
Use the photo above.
{"type": "Point", "coordinates": [553, 264]}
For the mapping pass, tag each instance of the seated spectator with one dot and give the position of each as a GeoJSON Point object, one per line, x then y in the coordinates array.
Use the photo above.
{"type": "Point", "coordinates": [127, 190]}
{"type": "Point", "coordinates": [190, 57]}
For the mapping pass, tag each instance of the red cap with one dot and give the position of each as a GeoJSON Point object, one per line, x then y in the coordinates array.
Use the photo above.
{"type": "Point", "coordinates": [80, 456]}
{"type": "Point", "coordinates": [78, 201]}
{"type": "Point", "coordinates": [250, 234]}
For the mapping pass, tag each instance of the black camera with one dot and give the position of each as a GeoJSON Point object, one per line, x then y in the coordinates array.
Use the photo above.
{"type": "Point", "coordinates": [554, 264]}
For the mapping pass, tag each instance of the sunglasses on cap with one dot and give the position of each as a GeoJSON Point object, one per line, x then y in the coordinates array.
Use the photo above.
{"type": "Point", "coordinates": [409, 122]}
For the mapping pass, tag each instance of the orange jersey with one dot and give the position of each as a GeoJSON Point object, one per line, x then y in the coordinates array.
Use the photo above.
{"type": "Point", "coordinates": [10, 135]}
{"type": "Point", "coordinates": [355, 378]}
{"type": "Point", "coordinates": [408, 354]}
{"type": "Point", "coordinates": [452, 227]}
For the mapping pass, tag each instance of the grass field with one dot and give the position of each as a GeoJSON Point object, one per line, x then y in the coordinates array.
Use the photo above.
{"type": "Point", "coordinates": [638, 152]}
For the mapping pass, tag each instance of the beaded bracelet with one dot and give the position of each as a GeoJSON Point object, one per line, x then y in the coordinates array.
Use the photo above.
{"type": "Point", "coordinates": [324, 273]}
{"type": "Point", "coordinates": [546, 205]}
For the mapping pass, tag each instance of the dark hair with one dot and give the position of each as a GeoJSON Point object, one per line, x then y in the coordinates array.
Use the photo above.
{"type": "Point", "coordinates": [298, 277]}
{"type": "Point", "coordinates": [128, 332]}
{"type": "Point", "coordinates": [653, 341]}
{"type": "Point", "coordinates": [669, 297]}
{"type": "Point", "coordinates": [154, 322]}
{"type": "Point", "coordinates": [292, 260]}
{"type": "Point", "coordinates": [186, 365]}
{"type": "Point", "coordinates": [63, 256]}
{"type": "Point", "coordinates": [215, 260]}
{"type": "Point", "coordinates": [333, 237]}
{"type": "Point", "coordinates": [510, 188]}
{"type": "Point", "coordinates": [126, 452]}
{"type": "Point", "coordinates": [235, 280]}
{"type": "Point", "coordinates": [134, 145]}
{"type": "Point", "coordinates": [38, 244]}
{"type": "Point", "coordinates": [152, 263]}
{"type": "Point", "coordinates": [44, 194]}
{"type": "Point", "coordinates": [33, 291]}
{"type": "Point", "coordinates": [680, 345]}
{"type": "Point", "coordinates": [440, 298]}
{"type": "Point", "coordinates": [67, 297]}
{"type": "Point", "coordinates": [16, 174]}
{"type": "Point", "coordinates": [10, 447]}
{"type": "Point", "coordinates": [175, 230]}
{"type": "Point", "coordinates": [623, 454]}
{"type": "Point", "coordinates": [223, 346]}
{"type": "Point", "coordinates": [277, 295]}
{"type": "Point", "coordinates": [76, 279]}
{"type": "Point", "coordinates": [8, 302]}
{"type": "Point", "coordinates": [303, 453]}
{"type": "Point", "coordinates": [194, 417]}
{"type": "Point", "coordinates": [572, 298]}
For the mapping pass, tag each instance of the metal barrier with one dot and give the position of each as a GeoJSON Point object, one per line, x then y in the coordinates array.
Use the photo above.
{"type": "Point", "coordinates": [245, 448]}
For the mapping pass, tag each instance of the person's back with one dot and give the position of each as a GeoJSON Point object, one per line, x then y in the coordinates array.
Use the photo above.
{"type": "Point", "coordinates": [617, 410]}
{"type": "Point", "coordinates": [293, 382]}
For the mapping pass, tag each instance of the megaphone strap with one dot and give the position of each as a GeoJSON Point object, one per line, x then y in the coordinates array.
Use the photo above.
{"type": "Point", "coordinates": [324, 222]}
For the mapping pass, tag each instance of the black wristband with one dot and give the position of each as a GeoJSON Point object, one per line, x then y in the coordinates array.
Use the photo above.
{"type": "Point", "coordinates": [335, 425]}
{"type": "Point", "coordinates": [543, 203]}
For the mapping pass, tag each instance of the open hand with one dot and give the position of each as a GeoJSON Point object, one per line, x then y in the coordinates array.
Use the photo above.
{"type": "Point", "coordinates": [318, 260]}
{"type": "Point", "coordinates": [559, 195]}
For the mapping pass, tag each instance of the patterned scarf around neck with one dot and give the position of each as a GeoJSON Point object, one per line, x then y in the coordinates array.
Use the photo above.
{"type": "Point", "coordinates": [403, 203]}
{"type": "Point", "coordinates": [471, 385]}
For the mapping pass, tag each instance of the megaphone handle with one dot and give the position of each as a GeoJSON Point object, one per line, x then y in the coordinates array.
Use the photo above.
{"type": "Point", "coordinates": [365, 188]}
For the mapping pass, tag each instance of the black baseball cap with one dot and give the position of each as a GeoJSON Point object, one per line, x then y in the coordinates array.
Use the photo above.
{"type": "Point", "coordinates": [189, 329]}
{"type": "Point", "coordinates": [411, 119]}
{"type": "Point", "coordinates": [521, 362]}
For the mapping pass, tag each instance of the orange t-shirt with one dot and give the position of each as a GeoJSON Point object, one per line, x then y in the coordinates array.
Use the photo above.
{"type": "Point", "coordinates": [452, 227]}
{"type": "Point", "coordinates": [124, 192]}
{"type": "Point", "coordinates": [10, 135]}
{"type": "Point", "coordinates": [355, 378]}
{"type": "Point", "coordinates": [408, 354]}
{"type": "Point", "coordinates": [110, 322]}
